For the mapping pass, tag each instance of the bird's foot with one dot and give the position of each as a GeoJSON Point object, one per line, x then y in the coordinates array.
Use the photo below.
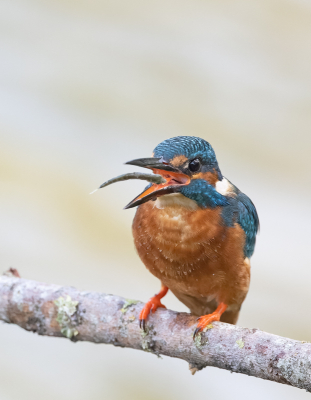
{"type": "Point", "coordinates": [151, 306]}
{"type": "Point", "coordinates": [206, 320]}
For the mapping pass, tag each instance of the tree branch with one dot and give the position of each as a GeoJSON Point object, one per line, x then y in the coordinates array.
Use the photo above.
{"type": "Point", "coordinates": [100, 318]}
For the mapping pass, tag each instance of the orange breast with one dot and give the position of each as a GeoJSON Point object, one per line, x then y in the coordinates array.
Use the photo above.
{"type": "Point", "coordinates": [192, 251]}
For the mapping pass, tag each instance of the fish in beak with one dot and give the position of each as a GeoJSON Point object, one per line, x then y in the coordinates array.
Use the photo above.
{"type": "Point", "coordinates": [166, 179]}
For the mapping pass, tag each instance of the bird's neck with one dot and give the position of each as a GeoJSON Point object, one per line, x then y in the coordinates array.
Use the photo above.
{"type": "Point", "coordinates": [176, 200]}
{"type": "Point", "coordinates": [197, 195]}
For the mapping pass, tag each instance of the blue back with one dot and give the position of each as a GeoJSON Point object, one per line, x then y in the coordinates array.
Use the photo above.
{"type": "Point", "coordinates": [239, 209]}
{"type": "Point", "coordinates": [249, 221]}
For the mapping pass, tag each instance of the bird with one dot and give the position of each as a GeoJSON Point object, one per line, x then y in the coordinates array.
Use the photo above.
{"type": "Point", "coordinates": [194, 230]}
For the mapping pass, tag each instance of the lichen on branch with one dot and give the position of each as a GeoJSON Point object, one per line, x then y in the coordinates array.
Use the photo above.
{"type": "Point", "coordinates": [66, 308]}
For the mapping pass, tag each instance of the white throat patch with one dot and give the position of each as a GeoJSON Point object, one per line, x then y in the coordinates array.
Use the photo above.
{"type": "Point", "coordinates": [224, 187]}
{"type": "Point", "coordinates": [175, 200]}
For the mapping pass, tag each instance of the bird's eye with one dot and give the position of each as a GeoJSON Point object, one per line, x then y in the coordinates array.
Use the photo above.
{"type": "Point", "coordinates": [194, 165]}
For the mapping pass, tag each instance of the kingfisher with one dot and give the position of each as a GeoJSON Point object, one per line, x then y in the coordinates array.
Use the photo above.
{"type": "Point", "coordinates": [194, 230]}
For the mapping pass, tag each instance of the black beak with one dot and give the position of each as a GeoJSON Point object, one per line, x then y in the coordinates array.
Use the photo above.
{"type": "Point", "coordinates": [152, 163]}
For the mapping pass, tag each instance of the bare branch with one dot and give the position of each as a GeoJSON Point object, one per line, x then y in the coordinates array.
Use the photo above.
{"type": "Point", "coordinates": [100, 318]}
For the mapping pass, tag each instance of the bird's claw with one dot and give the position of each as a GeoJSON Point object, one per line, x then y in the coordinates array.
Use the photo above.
{"type": "Point", "coordinates": [197, 330]}
{"type": "Point", "coordinates": [204, 321]}
{"type": "Point", "coordinates": [151, 306]}
{"type": "Point", "coordinates": [142, 324]}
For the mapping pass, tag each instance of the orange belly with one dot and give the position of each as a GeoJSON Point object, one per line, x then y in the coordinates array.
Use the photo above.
{"type": "Point", "coordinates": [194, 254]}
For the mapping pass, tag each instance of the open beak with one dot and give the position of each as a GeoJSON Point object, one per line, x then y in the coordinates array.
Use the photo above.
{"type": "Point", "coordinates": [173, 179]}
{"type": "Point", "coordinates": [166, 179]}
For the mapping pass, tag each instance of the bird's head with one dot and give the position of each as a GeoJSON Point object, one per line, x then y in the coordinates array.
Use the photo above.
{"type": "Point", "coordinates": [179, 165]}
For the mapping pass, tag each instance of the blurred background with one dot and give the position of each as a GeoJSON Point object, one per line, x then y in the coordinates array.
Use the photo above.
{"type": "Point", "coordinates": [88, 85]}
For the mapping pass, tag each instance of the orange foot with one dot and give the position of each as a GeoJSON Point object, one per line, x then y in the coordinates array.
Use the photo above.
{"type": "Point", "coordinates": [205, 320]}
{"type": "Point", "coordinates": [152, 305]}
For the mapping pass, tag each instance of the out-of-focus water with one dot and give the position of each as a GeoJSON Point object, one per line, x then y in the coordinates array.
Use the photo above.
{"type": "Point", "coordinates": [86, 86]}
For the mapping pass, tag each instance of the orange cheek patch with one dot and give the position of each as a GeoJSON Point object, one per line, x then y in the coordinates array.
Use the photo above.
{"type": "Point", "coordinates": [177, 161]}
{"type": "Point", "coordinates": [210, 177]}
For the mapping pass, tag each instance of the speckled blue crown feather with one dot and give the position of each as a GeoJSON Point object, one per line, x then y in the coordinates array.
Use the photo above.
{"type": "Point", "coordinates": [189, 146]}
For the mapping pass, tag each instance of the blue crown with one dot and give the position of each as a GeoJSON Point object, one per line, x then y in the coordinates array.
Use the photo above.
{"type": "Point", "coordinates": [190, 146]}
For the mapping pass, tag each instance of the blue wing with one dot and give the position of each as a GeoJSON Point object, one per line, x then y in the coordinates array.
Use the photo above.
{"type": "Point", "coordinates": [241, 210]}
{"type": "Point", "coordinates": [249, 221]}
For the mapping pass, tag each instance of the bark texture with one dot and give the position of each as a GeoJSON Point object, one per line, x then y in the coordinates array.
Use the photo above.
{"type": "Point", "coordinates": [53, 310]}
